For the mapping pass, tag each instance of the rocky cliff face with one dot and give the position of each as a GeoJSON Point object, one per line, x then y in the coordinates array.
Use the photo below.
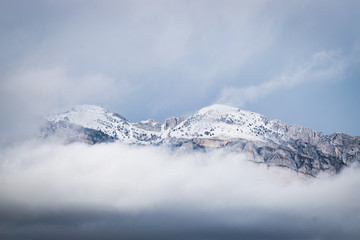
{"type": "Point", "coordinates": [266, 141]}
{"type": "Point", "coordinates": [149, 125]}
{"type": "Point", "coordinates": [172, 122]}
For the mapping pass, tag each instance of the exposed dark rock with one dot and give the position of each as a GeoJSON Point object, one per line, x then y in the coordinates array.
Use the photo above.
{"type": "Point", "coordinates": [70, 133]}
{"type": "Point", "coordinates": [149, 125]}
{"type": "Point", "coordinates": [172, 122]}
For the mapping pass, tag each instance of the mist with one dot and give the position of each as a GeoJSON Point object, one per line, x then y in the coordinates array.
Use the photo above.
{"type": "Point", "coordinates": [117, 191]}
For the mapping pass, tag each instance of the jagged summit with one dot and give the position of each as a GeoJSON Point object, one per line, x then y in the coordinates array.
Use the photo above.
{"type": "Point", "coordinates": [267, 141]}
{"type": "Point", "coordinates": [92, 117]}
{"type": "Point", "coordinates": [223, 122]}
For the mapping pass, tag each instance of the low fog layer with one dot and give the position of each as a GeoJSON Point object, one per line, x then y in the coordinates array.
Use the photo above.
{"type": "Point", "coordinates": [119, 191]}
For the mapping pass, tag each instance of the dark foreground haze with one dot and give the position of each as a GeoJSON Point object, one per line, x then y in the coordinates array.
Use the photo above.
{"type": "Point", "coordinates": [114, 191]}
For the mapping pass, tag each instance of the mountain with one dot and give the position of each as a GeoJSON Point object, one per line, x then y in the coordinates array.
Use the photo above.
{"type": "Point", "coordinates": [266, 141]}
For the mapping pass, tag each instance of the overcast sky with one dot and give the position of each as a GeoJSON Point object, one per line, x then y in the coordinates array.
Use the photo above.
{"type": "Point", "coordinates": [297, 61]}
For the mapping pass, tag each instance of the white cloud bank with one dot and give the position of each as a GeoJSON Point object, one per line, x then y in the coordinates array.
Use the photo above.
{"type": "Point", "coordinates": [53, 181]}
{"type": "Point", "coordinates": [134, 178]}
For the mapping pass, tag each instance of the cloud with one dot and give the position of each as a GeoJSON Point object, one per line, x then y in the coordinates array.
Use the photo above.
{"type": "Point", "coordinates": [322, 66]}
{"type": "Point", "coordinates": [128, 56]}
{"type": "Point", "coordinates": [121, 188]}
{"type": "Point", "coordinates": [178, 55]}
{"type": "Point", "coordinates": [28, 94]}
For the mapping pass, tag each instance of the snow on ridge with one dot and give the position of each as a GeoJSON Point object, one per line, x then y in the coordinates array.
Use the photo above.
{"type": "Point", "coordinates": [92, 117]}
{"type": "Point", "coordinates": [215, 121]}
{"type": "Point", "coordinates": [220, 122]}
{"type": "Point", "coordinates": [81, 111]}
{"type": "Point", "coordinates": [112, 124]}
{"type": "Point", "coordinates": [89, 107]}
{"type": "Point", "coordinates": [85, 115]}
{"type": "Point", "coordinates": [220, 108]}
{"type": "Point", "coordinates": [224, 109]}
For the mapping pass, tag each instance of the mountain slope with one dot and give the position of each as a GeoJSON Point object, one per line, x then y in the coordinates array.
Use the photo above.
{"type": "Point", "coordinates": [89, 117]}
{"type": "Point", "coordinates": [267, 141]}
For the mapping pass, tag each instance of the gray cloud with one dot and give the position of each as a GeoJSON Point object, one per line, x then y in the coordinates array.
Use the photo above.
{"type": "Point", "coordinates": [323, 66]}
{"type": "Point", "coordinates": [122, 55]}
{"type": "Point", "coordinates": [168, 58]}
{"type": "Point", "coordinates": [29, 94]}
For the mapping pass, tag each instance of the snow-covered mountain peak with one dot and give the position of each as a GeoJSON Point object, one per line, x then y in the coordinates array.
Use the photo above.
{"type": "Point", "coordinates": [105, 122]}
{"type": "Point", "coordinates": [215, 121]}
{"type": "Point", "coordinates": [88, 107]}
{"type": "Point", "coordinates": [217, 108]}
{"type": "Point", "coordinates": [219, 112]}
{"type": "Point", "coordinates": [220, 122]}
{"type": "Point", "coordinates": [212, 122]}
{"type": "Point", "coordinates": [269, 141]}
{"type": "Point", "coordinates": [91, 117]}
{"type": "Point", "coordinates": [87, 116]}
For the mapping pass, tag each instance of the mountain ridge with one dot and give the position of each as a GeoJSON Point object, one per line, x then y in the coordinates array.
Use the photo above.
{"type": "Point", "coordinates": [267, 141]}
